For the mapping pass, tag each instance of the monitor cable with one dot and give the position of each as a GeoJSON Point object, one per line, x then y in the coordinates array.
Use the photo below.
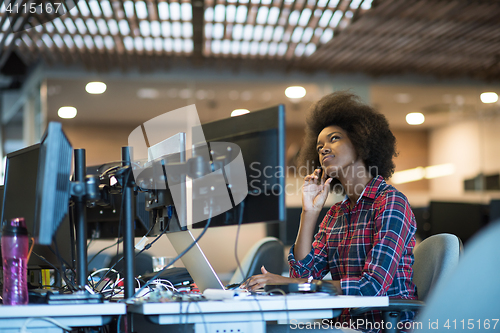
{"type": "Point", "coordinates": [64, 277]}
{"type": "Point", "coordinates": [175, 259]}
{"type": "Point", "coordinates": [24, 328]}
{"type": "Point", "coordinates": [118, 169]}
{"type": "Point", "coordinates": [243, 274]}
{"type": "Point", "coordinates": [240, 221]}
{"type": "Point", "coordinates": [127, 176]}
{"type": "Point", "coordinates": [63, 264]}
{"type": "Point", "coordinates": [72, 236]}
{"type": "Point", "coordinates": [278, 290]}
{"type": "Point", "coordinates": [104, 249]}
{"type": "Point", "coordinates": [147, 247]}
{"type": "Point", "coordinates": [114, 244]}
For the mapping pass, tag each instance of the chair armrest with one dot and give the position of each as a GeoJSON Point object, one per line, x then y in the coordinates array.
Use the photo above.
{"type": "Point", "coordinates": [399, 304]}
{"type": "Point", "coordinates": [395, 305]}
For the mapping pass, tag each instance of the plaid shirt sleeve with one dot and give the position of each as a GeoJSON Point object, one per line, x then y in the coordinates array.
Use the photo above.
{"type": "Point", "coordinates": [315, 264]}
{"type": "Point", "coordinates": [393, 230]}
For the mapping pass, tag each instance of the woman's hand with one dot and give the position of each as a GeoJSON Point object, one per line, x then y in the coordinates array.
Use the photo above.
{"type": "Point", "coordinates": [259, 281]}
{"type": "Point", "coordinates": [315, 191]}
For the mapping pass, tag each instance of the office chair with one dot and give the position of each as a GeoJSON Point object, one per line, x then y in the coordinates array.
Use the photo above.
{"type": "Point", "coordinates": [268, 252]}
{"type": "Point", "coordinates": [435, 259]}
{"type": "Point", "coordinates": [99, 261]}
{"type": "Point", "coordinates": [143, 263]}
{"type": "Point", "coordinates": [469, 299]}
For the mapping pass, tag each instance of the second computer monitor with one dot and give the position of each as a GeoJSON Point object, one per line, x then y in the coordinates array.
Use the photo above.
{"type": "Point", "coordinates": [260, 136]}
{"type": "Point", "coordinates": [19, 200]}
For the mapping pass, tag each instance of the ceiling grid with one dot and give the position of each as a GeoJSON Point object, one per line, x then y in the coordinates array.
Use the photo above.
{"type": "Point", "coordinates": [445, 38]}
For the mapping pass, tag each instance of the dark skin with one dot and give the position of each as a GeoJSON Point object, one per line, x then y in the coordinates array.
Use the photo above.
{"type": "Point", "coordinates": [339, 160]}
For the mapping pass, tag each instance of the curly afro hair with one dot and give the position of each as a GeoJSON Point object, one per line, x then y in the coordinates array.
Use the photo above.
{"type": "Point", "coordinates": [367, 129]}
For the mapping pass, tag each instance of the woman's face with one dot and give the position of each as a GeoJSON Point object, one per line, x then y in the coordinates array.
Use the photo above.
{"type": "Point", "coordinates": [336, 152]}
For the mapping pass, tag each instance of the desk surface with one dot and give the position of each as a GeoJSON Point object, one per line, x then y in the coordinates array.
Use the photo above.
{"type": "Point", "coordinates": [73, 315]}
{"type": "Point", "coordinates": [55, 311]}
{"type": "Point", "coordinates": [259, 308]}
{"type": "Point", "coordinates": [260, 303]}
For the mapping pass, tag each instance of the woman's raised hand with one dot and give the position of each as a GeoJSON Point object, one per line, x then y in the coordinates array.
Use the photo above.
{"type": "Point", "coordinates": [315, 191]}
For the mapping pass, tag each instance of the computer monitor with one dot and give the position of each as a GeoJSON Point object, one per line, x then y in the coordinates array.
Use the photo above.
{"type": "Point", "coordinates": [458, 218]}
{"type": "Point", "coordinates": [287, 231]}
{"type": "Point", "coordinates": [20, 185]}
{"type": "Point", "coordinates": [53, 183]}
{"type": "Point", "coordinates": [260, 136]}
{"type": "Point", "coordinates": [492, 182]}
{"type": "Point", "coordinates": [494, 210]}
{"type": "Point", "coordinates": [19, 200]}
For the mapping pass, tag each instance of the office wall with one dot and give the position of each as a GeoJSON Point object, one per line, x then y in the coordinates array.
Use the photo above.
{"type": "Point", "coordinates": [102, 143]}
{"type": "Point", "coordinates": [472, 146]}
{"type": "Point", "coordinates": [413, 151]}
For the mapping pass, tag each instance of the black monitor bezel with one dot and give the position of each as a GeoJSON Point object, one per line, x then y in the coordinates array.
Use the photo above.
{"type": "Point", "coordinates": [261, 121]}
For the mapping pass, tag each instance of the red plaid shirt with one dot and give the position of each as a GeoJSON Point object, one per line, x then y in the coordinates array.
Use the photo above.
{"type": "Point", "coordinates": [369, 248]}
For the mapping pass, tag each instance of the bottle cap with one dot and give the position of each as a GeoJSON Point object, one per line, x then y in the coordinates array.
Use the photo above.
{"type": "Point", "coordinates": [16, 226]}
{"type": "Point", "coordinates": [18, 222]}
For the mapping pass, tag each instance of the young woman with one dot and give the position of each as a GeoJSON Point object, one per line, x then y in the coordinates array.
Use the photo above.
{"type": "Point", "coordinates": [365, 241]}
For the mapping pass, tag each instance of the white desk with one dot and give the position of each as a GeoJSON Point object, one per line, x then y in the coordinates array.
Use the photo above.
{"type": "Point", "coordinates": [250, 314]}
{"type": "Point", "coordinates": [12, 318]}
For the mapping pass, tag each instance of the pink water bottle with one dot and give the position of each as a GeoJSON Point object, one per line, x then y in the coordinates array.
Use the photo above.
{"type": "Point", "coordinates": [15, 247]}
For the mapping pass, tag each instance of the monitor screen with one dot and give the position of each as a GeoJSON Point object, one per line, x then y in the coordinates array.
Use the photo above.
{"type": "Point", "coordinates": [52, 183]}
{"type": "Point", "coordinates": [260, 136]}
{"type": "Point", "coordinates": [494, 210]}
{"type": "Point", "coordinates": [287, 231]}
{"type": "Point", "coordinates": [20, 185]}
{"type": "Point", "coordinates": [458, 218]}
{"type": "Point", "coordinates": [19, 200]}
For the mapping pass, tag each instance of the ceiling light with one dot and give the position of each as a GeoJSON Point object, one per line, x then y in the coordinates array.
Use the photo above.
{"type": "Point", "coordinates": [419, 173]}
{"type": "Point", "coordinates": [336, 18]}
{"type": "Point", "coordinates": [440, 170]}
{"type": "Point", "coordinates": [148, 93]}
{"type": "Point", "coordinates": [402, 98]}
{"type": "Point", "coordinates": [489, 97]}
{"type": "Point", "coordinates": [239, 112]}
{"type": "Point", "coordinates": [185, 93]}
{"type": "Point", "coordinates": [295, 92]}
{"type": "Point", "coordinates": [95, 87]}
{"type": "Point", "coordinates": [246, 95]}
{"type": "Point", "coordinates": [234, 95]}
{"type": "Point", "coordinates": [67, 112]}
{"type": "Point", "coordinates": [201, 94]}
{"type": "Point", "coordinates": [415, 118]}
{"type": "Point", "coordinates": [409, 175]}
{"type": "Point", "coordinates": [367, 4]}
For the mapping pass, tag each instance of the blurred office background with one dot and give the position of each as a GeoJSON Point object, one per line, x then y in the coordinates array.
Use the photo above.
{"type": "Point", "coordinates": [434, 58]}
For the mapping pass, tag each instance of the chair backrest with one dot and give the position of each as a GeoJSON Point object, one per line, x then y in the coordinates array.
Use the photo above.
{"type": "Point", "coordinates": [435, 257]}
{"type": "Point", "coordinates": [143, 263]}
{"type": "Point", "coordinates": [268, 252]}
{"type": "Point", "coordinates": [468, 299]}
{"type": "Point", "coordinates": [99, 260]}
